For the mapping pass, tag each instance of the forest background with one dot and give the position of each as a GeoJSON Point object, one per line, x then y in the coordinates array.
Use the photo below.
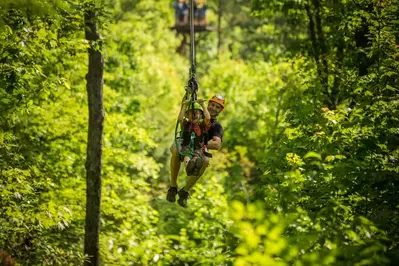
{"type": "Point", "coordinates": [308, 170]}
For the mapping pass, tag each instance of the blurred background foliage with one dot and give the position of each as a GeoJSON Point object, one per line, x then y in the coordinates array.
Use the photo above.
{"type": "Point", "coordinates": [308, 171]}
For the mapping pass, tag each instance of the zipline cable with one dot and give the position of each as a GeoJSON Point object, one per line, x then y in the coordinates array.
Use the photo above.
{"type": "Point", "coordinates": [192, 38]}
{"type": "Point", "coordinates": [192, 86]}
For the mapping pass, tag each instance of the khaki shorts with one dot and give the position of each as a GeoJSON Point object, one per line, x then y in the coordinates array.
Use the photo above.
{"type": "Point", "coordinates": [198, 152]}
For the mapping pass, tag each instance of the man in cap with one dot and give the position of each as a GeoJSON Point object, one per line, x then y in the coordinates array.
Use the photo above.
{"type": "Point", "coordinates": [215, 136]}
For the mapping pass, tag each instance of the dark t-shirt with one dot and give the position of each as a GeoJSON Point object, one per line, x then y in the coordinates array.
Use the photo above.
{"type": "Point", "coordinates": [216, 129]}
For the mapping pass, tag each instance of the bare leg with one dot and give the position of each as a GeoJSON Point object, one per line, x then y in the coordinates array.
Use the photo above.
{"type": "Point", "coordinates": [174, 166]}
{"type": "Point", "coordinates": [186, 160]}
{"type": "Point", "coordinates": [191, 182]}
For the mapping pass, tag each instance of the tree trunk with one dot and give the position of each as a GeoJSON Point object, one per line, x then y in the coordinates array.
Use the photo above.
{"type": "Point", "coordinates": [316, 49]}
{"type": "Point", "coordinates": [277, 121]}
{"type": "Point", "coordinates": [94, 88]}
{"type": "Point", "coordinates": [335, 97]}
{"type": "Point", "coordinates": [182, 49]}
{"type": "Point", "coordinates": [321, 40]}
{"type": "Point", "coordinates": [220, 25]}
{"type": "Point", "coordinates": [320, 50]}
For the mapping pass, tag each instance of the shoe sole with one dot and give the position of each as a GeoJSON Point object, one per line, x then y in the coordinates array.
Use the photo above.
{"type": "Point", "coordinates": [173, 200]}
{"type": "Point", "coordinates": [182, 204]}
{"type": "Point", "coordinates": [182, 201]}
{"type": "Point", "coordinates": [171, 197]}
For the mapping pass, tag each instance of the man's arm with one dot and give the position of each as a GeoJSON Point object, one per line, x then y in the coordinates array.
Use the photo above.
{"type": "Point", "coordinates": [215, 143]}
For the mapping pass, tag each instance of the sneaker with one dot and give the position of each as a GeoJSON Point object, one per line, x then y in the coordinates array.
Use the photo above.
{"type": "Point", "coordinates": [171, 196]}
{"type": "Point", "coordinates": [183, 196]}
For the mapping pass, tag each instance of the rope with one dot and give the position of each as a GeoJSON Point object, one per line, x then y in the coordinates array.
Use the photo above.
{"type": "Point", "coordinates": [192, 85]}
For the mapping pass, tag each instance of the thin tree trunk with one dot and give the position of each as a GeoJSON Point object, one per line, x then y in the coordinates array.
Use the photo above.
{"type": "Point", "coordinates": [323, 54]}
{"type": "Point", "coordinates": [321, 39]}
{"type": "Point", "coordinates": [337, 77]}
{"type": "Point", "coordinates": [94, 88]}
{"type": "Point", "coordinates": [315, 46]}
{"type": "Point", "coordinates": [319, 49]}
{"type": "Point", "coordinates": [182, 49]}
{"type": "Point", "coordinates": [277, 118]}
{"type": "Point", "coordinates": [220, 12]}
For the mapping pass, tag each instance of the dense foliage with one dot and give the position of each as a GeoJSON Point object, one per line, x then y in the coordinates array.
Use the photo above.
{"type": "Point", "coordinates": [308, 171]}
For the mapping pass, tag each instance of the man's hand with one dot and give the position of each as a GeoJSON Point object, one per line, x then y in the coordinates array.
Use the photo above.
{"type": "Point", "coordinates": [215, 143]}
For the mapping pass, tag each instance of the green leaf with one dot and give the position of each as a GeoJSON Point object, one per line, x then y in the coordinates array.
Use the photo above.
{"type": "Point", "coordinates": [312, 154]}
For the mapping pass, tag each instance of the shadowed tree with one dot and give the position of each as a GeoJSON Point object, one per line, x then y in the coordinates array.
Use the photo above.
{"type": "Point", "coordinates": [94, 88]}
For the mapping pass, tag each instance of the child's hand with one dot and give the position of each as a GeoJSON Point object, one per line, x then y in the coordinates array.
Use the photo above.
{"type": "Point", "coordinates": [200, 101]}
{"type": "Point", "coordinates": [186, 102]}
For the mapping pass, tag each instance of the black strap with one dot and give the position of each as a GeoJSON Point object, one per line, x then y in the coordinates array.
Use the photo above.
{"type": "Point", "coordinates": [206, 136]}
